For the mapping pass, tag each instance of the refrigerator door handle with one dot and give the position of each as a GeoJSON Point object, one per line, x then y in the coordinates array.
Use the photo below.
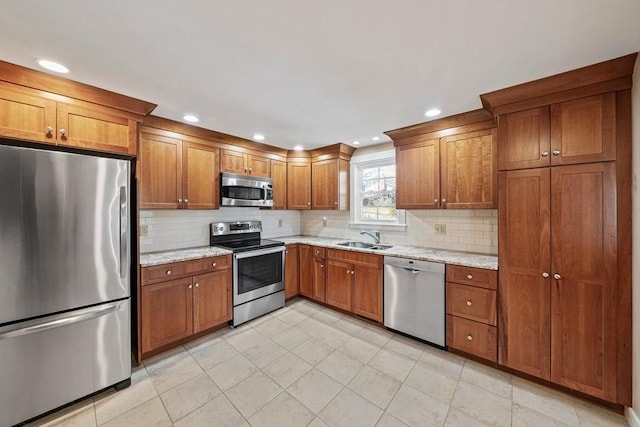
{"type": "Point", "coordinates": [32, 327]}
{"type": "Point", "coordinates": [124, 256]}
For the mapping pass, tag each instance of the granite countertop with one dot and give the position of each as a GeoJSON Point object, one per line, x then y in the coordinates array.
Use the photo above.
{"type": "Point", "coordinates": [176, 255]}
{"type": "Point", "coordinates": [468, 259]}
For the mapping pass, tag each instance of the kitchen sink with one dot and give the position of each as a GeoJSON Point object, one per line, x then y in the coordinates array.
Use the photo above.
{"type": "Point", "coordinates": [362, 245]}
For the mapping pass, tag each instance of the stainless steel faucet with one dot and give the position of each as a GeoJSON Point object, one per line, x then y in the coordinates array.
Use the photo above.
{"type": "Point", "coordinates": [375, 235]}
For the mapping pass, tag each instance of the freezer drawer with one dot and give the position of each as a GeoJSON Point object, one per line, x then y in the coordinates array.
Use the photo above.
{"type": "Point", "coordinates": [52, 361]}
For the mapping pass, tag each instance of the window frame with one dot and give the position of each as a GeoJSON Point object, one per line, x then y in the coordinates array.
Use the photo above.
{"type": "Point", "coordinates": [358, 163]}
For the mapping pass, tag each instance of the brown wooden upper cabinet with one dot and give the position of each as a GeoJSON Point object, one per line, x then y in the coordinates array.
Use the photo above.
{"type": "Point", "coordinates": [176, 174]}
{"type": "Point", "coordinates": [453, 172]}
{"type": "Point", "coordinates": [298, 185]}
{"type": "Point", "coordinates": [449, 163]}
{"type": "Point", "coordinates": [279, 177]}
{"type": "Point", "coordinates": [29, 114]}
{"type": "Point", "coordinates": [240, 163]}
{"type": "Point", "coordinates": [571, 132]}
{"type": "Point", "coordinates": [330, 184]}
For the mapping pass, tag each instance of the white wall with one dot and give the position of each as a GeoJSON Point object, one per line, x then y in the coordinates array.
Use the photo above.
{"type": "Point", "coordinates": [634, 414]}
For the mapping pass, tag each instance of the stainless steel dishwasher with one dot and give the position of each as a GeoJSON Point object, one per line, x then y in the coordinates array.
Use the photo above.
{"type": "Point", "coordinates": [414, 298]}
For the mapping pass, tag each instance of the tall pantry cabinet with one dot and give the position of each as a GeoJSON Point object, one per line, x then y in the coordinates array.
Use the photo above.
{"type": "Point", "coordinates": [564, 224]}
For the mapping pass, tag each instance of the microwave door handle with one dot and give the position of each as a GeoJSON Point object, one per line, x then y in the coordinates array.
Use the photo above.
{"type": "Point", "coordinates": [265, 191]}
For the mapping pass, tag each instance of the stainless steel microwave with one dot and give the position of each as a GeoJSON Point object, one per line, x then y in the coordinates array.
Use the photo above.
{"type": "Point", "coordinates": [241, 190]}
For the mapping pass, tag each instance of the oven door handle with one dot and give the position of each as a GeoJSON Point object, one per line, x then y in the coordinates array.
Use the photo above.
{"type": "Point", "coordinates": [258, 252]}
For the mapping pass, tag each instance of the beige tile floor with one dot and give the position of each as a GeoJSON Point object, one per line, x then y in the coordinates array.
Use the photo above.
{"type": "Point", "coordinates": [306, 365]}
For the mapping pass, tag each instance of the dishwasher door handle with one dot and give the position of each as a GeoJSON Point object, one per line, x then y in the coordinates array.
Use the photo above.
{"type": "Point", "coordinates": [411, 270]}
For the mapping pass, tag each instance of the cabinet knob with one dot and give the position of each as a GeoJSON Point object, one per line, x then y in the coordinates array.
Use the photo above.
{"type": "Point", "coordinates": [353, 272]}
{"type": "Point", "coordinates": [213, 264]}
{"type": "Point", "coordinates": [435, 201]}
{"type": "Point", "coordinates": [469, 303]}
{"type": "Point", "coordinates": [545, 274]}
{"type": "Point", "coordinates": [250, 170]}
{"type": "Point", "coordinates": [556, 152]}
{"type": "Point", "coordinates": [469, 338]}
{"type": "Point", "coordinates": [197, 285]}
{"type": "Point", "coordinates": [179, 200]}
{"type": "Point", "coordinates": [169, 272]}
{"type": "Point", "coordinates": [49, 130]}
{"type": "Point", "coordinates": [286, 252]}
{"type": "Point", "coordinates": [186, 200]}
{"type": "Point", "coordinates": [544, 153]}
{"type": "Point", "coordinates": [309, 203]}
{"type": "Point", "coordinates": [321, 265]}
{"type": "Point", "coordinates": [189, 286]}
{"type": "Point", "coordinates": [348, 271]}
{"type": "Point", "coordinates": [444, 201]}
{"type": "Point", "coordinates": [469, 276]}
{"type": "Point", "coordinates": [557, 276]}
{"type": "Point", "coordinates": [63, 132]}
{"type": "Point", "coordinates": [335, 203]}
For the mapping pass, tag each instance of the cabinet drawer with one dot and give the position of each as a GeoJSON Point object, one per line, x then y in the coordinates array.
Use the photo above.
{"type": "Point", "coordinates": [472, 276]}
{"type": "Point", "coordinates": [163, 272]}
{"type": "Point", "coordinates": [319, 252]}
{"type": "Point", "coordinates": [472, 337]}
{"type": "Point", "coordinates": [359, 258]}
{"type": "Point", "coordinates": [472, 303]}
{"type": "Point", "coordinates": [209, 264]}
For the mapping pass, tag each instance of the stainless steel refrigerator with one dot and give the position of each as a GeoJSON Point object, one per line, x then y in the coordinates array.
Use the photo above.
{"type": "Point", "coordinates": [64, 279]}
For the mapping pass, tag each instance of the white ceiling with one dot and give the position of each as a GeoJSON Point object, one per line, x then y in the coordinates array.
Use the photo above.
{"type": "Point", "coordinates": [314, 72]}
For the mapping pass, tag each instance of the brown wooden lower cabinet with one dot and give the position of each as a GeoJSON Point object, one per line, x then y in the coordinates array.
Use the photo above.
{"type": "Point", "coordinates": [471, 311]}
{"type": "Point", "coordinates": [354, 282]}
{"type": "Point", "coordinates": [172, 310]}
{"type": "Point", "coordinates": [306, 271]}
{"type": "Point", "coordinates": [291, 271]}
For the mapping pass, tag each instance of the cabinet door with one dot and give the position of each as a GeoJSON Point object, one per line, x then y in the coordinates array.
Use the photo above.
{"type": "Point", "coordinates": [468, 174]}
{"type": "Point", "coordinates": [291, 266]}
{"type": "Point", "coordinates": [233, 162]}
{"type": "Point", "coordinates": [259, 166]}
{"type": "Point", "coordinates": [306, 271]}
{"type": "Point", "coordinates": [279, 177]}
{"type": "Point", "coordinates": [523, 139]}
{"type": "Point", "coordinates": [160, 172]}
{"type": "Point", "coordinates": [583, 298]}
{"type": "Point", "coordinates": [324, 187]}
{"type": "Point", "coordinates": [583, 130]}
{"type": "Point", "coordinates": [319, 279]}
{"type": "Point", "coordinates": [298, 186]}
{"type": "Point", "coordinates": [524, 255]}
{"type": "Point", "coordinates": [167, 313]}
{"type": "Point", "coordinates": [211, 300]}
{"type": "Point", "coordinates": [367, 293]}
{"type": "Point", "coordinates": [25, 115]}
{"type": "Point", "coordinates": [339, 284]}
{"type": "Point", "coordinates": [418, 175]}
{"type": "Point", "coordinates": [200, 176]}
{"type": "Point", "coordinates": [95, 129]}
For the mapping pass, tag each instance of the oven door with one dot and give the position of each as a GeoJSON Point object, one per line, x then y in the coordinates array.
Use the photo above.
{"type": "Point", "coordinates": [257, 273]}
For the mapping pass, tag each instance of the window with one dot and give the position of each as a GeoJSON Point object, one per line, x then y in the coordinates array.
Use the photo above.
{"type": "Point", "coordinates": [373, 201]}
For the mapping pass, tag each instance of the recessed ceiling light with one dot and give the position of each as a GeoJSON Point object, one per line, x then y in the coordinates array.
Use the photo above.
{"type": "Point", "coordinates": [53, 66]}
{"type": "Point", "coordinates": [191, 118]}
{"type": "Point", "coordinates": [356, 142]}
{"type": "Point", "coordinates": [375, 138]}
{"type": "Point", "coordinates": [432, 113]}
{"type": "Point", "coordinates": [258, 137]}
{"type": "Point", "coordinates": [298, 148]}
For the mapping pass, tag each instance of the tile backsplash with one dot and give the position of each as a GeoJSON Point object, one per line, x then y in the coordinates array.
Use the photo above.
{"type": "Point", "coordinates": [176, 229]}
{"type": "Point", "coordinates": [466, 230]}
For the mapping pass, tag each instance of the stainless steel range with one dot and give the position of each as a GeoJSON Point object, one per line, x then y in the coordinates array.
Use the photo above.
{"type": "Point", "coordinates": [258, 268]}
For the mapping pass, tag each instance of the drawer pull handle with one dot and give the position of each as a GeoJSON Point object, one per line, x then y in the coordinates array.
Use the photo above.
{"type": "Point", "coordinates": [469, 338]}
{"type": "Point", "coordinates": [469, 303]}
{"type": "Point", "coordinates": [469, 276]}
{"type": "Point", "coordinates": [169, 272]}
